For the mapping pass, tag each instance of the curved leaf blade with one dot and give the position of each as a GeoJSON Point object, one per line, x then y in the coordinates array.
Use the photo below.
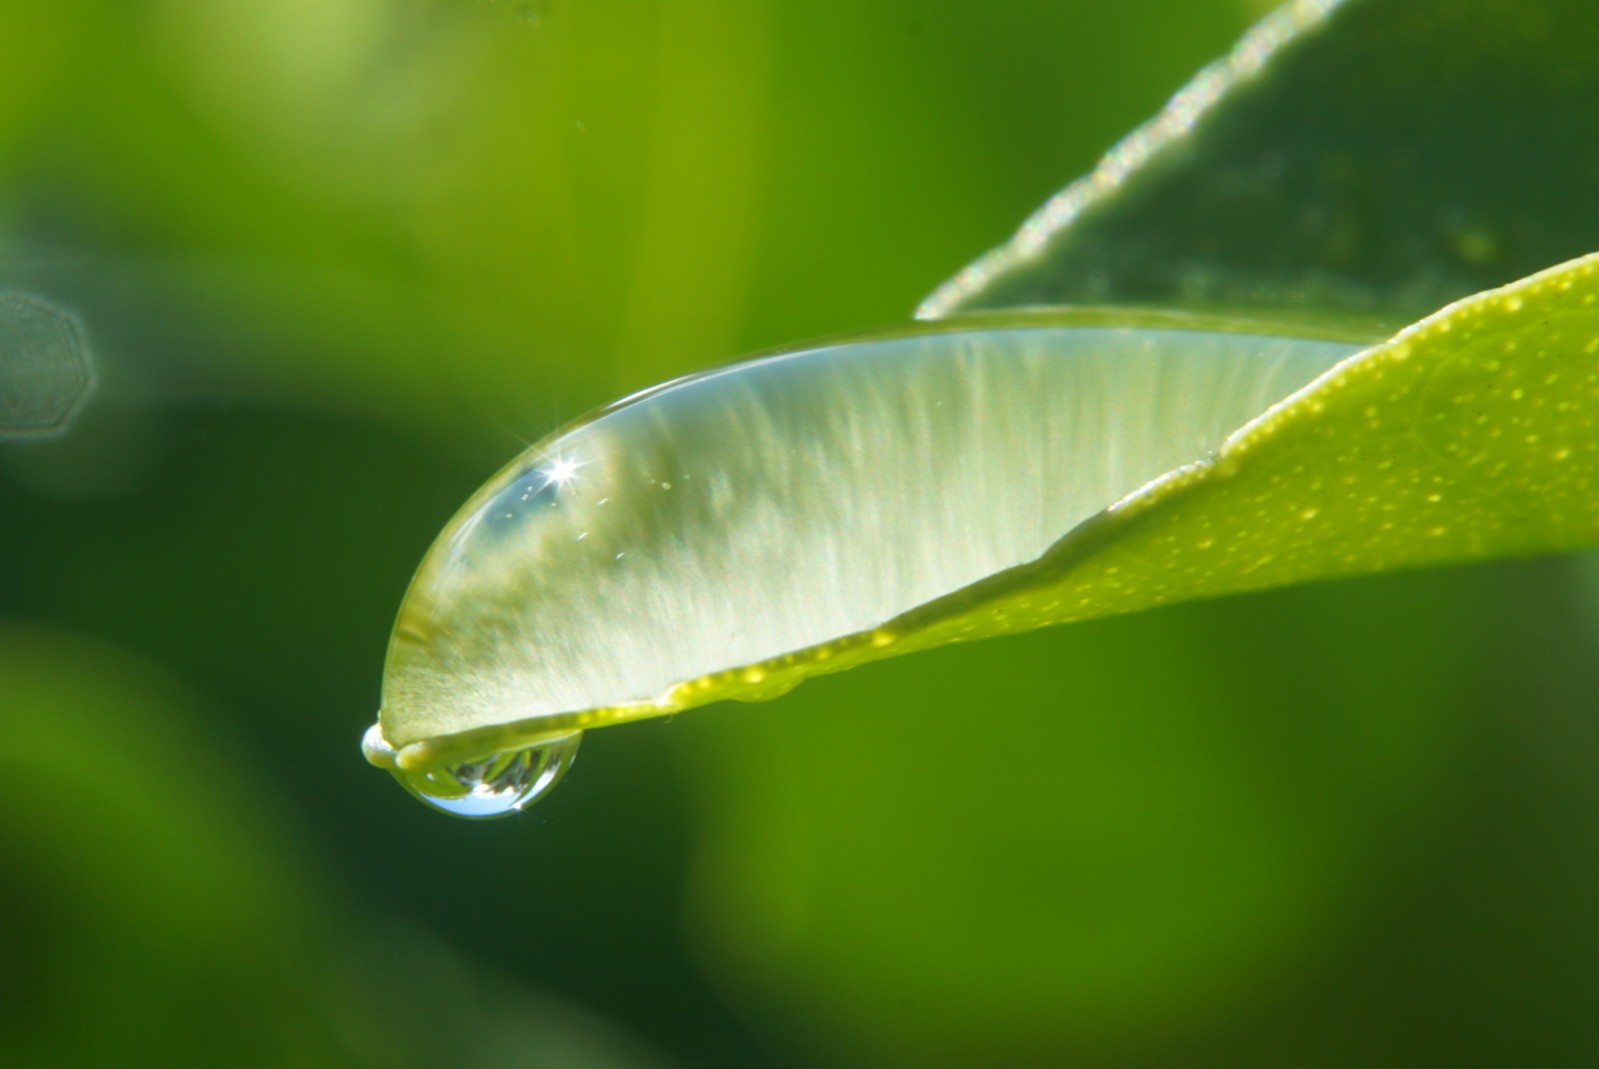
{"type": "Point", "coordinates": [1470, 435]}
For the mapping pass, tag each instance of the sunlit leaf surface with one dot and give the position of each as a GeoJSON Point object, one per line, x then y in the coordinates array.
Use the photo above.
{"type": "Point", "coordinates": [336, 260]}
{"type": "Point", "coordinates": [1468, 436]}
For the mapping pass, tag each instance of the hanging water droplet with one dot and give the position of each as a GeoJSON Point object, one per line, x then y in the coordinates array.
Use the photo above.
{"type": "Point", "coordinates": [494, 786]}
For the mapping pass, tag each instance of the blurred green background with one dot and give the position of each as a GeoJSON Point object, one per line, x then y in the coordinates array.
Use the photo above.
{"type": "Point", "coordinates": [337, 260]}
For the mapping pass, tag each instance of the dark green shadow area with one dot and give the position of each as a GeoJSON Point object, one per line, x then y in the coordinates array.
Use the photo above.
{"type": "Point", "coordinates": [1385, 160]}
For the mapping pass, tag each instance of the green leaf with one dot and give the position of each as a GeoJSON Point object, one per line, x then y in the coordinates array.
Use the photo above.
{"type": "Point", "coordinates": [1472, 435]}
{"type": "Point", "coordinates": [1468, 436]}
{"type": "Point", "coordinates": [1350, 163]}
{"type": "Point", "coordinates": [1375, 157]}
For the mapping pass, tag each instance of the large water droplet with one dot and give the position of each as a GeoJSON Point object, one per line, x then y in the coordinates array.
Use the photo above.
{"type": "Point", "coordinates": [814, 495]}
{"type": "Point", "coordinates": [495, 786]}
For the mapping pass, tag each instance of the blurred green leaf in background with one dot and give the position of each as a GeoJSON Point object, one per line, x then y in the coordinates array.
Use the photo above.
{"type": "Point", "coordinates": [335, 260]}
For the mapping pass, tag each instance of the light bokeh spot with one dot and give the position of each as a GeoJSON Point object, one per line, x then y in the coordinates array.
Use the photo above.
{"type": "Point", "coordinates": [46, 373]}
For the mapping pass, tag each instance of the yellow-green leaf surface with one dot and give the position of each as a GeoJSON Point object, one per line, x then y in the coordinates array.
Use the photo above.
{"type": "Point", "coordinates": [1473, 434]}
{"type": "Point", "coordinates": [1468, 436]}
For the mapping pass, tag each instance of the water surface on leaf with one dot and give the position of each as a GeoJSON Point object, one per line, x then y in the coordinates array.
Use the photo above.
{"type": "Point", "coordinates": [779, 505]}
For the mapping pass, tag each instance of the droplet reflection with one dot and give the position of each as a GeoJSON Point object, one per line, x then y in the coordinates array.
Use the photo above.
{"type": "Point", "coordinates": [496, 786]}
